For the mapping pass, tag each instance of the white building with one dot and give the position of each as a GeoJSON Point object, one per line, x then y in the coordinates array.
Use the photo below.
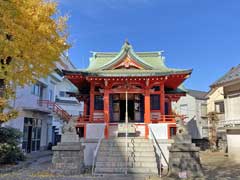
{"type": "Point", "coordinates": [42, 108]}
{"type": "Point", "coordinates": [194, 107]}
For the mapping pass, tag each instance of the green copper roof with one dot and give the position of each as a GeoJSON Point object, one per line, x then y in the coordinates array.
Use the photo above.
{"type": "Point", "coordinates": [152, 63]}
{"type": "Point", "coordinates": [128, 72]}
{"type": "Point", "coordinates": [180, 89]}
{"type": "Point", "coordinates": [103, 60]}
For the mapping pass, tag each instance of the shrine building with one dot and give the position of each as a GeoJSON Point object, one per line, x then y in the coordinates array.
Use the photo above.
{"type": "Point", "coordinates": [136, 87]}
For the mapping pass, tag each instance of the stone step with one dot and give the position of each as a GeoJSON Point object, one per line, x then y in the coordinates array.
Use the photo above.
{"type": "Point", "coordinates": [131, 149]}
{"type": "Point", "coordinates": [140, 152]}
{"type": "Point", "coordinates": [132, 140]}
{"type": "Point", "coordinates": [130, 164]}
{"type": "Point", "coordinates": [122, 153]}
{"type": "Point", "coordinates": [122, 159]}
{"type": "Point", "coordinates": [129, 170]}
{"type": "Point", "coordinates": [123, 144]}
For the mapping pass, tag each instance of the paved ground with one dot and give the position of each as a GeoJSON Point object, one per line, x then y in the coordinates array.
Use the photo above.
{"type": "Point", "coordinates": [216, 167]}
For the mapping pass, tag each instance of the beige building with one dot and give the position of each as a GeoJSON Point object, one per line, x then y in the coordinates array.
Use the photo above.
{"type": "Point", "coordinates": [215, 103]}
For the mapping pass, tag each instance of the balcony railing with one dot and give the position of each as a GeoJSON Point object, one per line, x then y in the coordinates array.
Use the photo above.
{"type": "Point", "coordinates": [55, 108]}
{"type": "Point", "coordinates": [232, 122]}
{"type": "Point", "coordinates": [162, 119]}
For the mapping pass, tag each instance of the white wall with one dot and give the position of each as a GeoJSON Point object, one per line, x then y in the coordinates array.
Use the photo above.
{"type": "Point", "coordinates": [233, 146]}
{"type": "Point", "coordinates": [94, 131]}
{"type": "Point", "coordinates": [160, 131]}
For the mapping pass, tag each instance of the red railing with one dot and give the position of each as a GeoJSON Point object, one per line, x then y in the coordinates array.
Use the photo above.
{"type": "Point", "coordinates": [86, 118]}
{"type": "Point", "coordinates": [167, 118]}
{"type": "Point", "coordinates": [55, 108]}
{"type": "Point", "coordinates": [162, 119]}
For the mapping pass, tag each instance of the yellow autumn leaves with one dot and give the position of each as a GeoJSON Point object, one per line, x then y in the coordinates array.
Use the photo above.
{"type": "Point", "coordinates": [36, 38]}
{"type": "Point", "coordinates": [32, 39]}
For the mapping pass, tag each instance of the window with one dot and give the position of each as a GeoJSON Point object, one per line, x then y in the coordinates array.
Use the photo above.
{"type": "Point", "coordinates": [36, 89]}
{"type": "Point", "coordinates": [204, 110]}
{"type": "Point", "coordinates": [184, 109]}
{"type": "Point", "coordinates": [219, 107]}
{"type": "Point", "coordinates": [50, 95]}
{"type": "Point", "coordinates": [155, 101]}
{"type": "Point", "coordinates": [62, 94]}
{"type": "Point", "coordinates": [98, 102]}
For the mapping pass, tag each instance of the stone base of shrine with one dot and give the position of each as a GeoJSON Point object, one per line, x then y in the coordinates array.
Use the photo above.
{"type": "Point", "coordinates": [184, 161]}
{"type": "Point", "coordinates": [68, 158]}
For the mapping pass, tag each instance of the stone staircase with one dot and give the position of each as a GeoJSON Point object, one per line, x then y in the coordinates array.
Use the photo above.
{"type": "Point", "coordinates": [112, 154]}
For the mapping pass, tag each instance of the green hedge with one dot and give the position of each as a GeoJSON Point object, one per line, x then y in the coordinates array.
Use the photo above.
{"type": "Point", "coordinates": [9, 141]}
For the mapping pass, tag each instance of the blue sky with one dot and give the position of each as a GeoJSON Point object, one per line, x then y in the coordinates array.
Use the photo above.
{"type": "Point", "coordinates": [199, 34]}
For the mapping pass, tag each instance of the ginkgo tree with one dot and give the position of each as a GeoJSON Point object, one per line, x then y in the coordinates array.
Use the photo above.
{"type": "Point", "coordinates": [32, 38]}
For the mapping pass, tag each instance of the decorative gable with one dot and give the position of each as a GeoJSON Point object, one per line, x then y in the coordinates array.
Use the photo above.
{"type": "Point", "coordinates": [127, 63]}
{"type": "Point", "coordinates": [126, 59]}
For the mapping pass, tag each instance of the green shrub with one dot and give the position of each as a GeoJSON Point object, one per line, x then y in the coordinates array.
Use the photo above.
{"type": "Point", "coordinates": [9, 141]}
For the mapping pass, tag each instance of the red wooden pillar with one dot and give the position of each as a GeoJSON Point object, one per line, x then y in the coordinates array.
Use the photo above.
{"type": "Point", "coordinates": [85, 109]}
{"type": "Point", "coordinates": [91, 101]}
{"type": "Point", "coordinates": [106, 110]}
{"type": "Point", "coordinates": [162, 101]}
{"type": "Point", "coordinates": [170, 106]}
{"type": "Point", "coordinates": [147, 113]}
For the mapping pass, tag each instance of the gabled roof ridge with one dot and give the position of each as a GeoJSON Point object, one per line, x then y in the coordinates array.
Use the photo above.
{"type": "Point", "coordinates": [197, 93]}
{"type": "Point", "coordinates": [140, 54]}
{"type": "Point", "coordinates": [126, 50]}
{"type": "Point", "coordinates": [137, 52]}
{"type": "Point", "coordinates": [196, 90]}
{"type": "Point", "coordinates": [227, 76]}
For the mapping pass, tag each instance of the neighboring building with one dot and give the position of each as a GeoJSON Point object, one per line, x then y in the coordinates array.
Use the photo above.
{"type": "Point", "coordinates": [194, 107]}
{"type": "Point", "coordinates": [215, 104]}
{"type": "Point", "coordinates": [231, 90]}
{"type": "Point", "coordinates": [139, 80]}
{"type": "Point", "coordinates": [40, 116]}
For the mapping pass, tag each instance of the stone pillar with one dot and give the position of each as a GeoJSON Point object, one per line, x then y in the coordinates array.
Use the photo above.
{"type": "Point", "coordinates": [68, 156]}
{"type": "Point", "coordinates": [184, 158]}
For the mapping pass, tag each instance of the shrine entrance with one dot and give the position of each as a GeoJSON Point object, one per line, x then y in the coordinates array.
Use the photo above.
{"type": "Point", "coordinates": [131, 117]}
{"type": "Point", "coordinates": [135, 107]}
